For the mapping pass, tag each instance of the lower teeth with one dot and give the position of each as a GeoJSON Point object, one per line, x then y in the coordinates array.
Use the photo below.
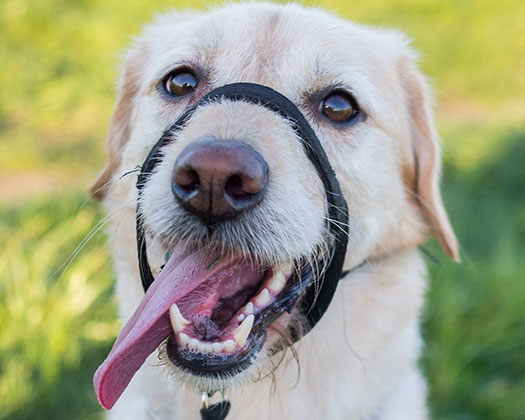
{"type": "Point", "coordinates": [206, 347]}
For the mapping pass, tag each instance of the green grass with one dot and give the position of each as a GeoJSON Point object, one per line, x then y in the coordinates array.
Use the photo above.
{"type": "Point", "coordinates": [57, 315]}
{"type": "Point", "coordinates": [475, 319]}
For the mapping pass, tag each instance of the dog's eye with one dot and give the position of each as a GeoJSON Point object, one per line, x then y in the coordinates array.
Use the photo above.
{"type": "Point", "coordinates": [181, 82]}
{"type": "Point", "coordinates": [339, 106]}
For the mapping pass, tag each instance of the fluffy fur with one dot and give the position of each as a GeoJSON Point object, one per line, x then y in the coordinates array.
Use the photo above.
{"type": "Point", "coordinates": [360, 361]}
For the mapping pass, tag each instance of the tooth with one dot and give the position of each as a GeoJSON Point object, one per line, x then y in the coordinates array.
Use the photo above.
{"type": "Point", "coordinates": [248, 309]}
{"type": "Point", "coordinates": [241, 317]}
{"type": "Point", "coordinates": [286, 268]}
{"type": "Point", "coordinates": [229, 345]}
{"type": "Point", "coordinates": [193, 344]}
{"type": "Point", "coordinates": [277, 282]}
{"type": "Point", "coordinates": [217, 347]}
{"type": "Point", "coordinates": [183, 338]}
{"type": "Point", "coordinates": [242, 331]}
{"type": "Point", "coordinates": [178, 322]}
{"type": "Point", "coordinates": [263, 298]}
{"type": "Point", "coordinates": [204, 347]}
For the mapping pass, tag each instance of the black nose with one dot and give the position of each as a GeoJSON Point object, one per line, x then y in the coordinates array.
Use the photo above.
{"type": "Point", "coordinates": [218, 179]}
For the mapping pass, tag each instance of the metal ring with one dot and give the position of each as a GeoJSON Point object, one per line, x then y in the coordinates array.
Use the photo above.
{"type": "Point", "coordinates": [204, 399]}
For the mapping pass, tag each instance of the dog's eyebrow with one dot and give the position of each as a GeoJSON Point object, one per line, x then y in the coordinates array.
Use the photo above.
{"type": "Point", "coordinates": [330, 77]}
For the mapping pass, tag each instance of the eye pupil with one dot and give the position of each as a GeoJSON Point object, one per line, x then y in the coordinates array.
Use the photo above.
{"type": "Point", "coordinates": [181, 83]}
{"type": "Point", "coordinates": [339, 106]}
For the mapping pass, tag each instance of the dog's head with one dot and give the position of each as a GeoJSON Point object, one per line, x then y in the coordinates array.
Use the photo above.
{"type": "Point", "coordinates": [235, 212]}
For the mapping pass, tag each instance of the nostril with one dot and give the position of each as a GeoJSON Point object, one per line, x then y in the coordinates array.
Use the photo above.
{"type": "Point", "coordinates": [186, 182]}
{"type": "Point", "coordinates": [243, 190]}
{"type": "Point", "coordinates": [234, 188]}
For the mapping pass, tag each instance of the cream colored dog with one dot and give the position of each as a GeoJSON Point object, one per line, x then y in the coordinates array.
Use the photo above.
{"type": "Point", "coordinates": [364, 97]}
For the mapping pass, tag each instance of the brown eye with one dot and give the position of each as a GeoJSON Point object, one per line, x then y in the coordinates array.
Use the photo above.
{"type": "Point", "coordinates": [339, 106]}
{"type": "Point", "coordinates": [181, 82]}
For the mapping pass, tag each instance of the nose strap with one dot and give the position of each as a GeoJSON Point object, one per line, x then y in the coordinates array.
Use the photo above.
{"type": "Point", "coordinates": [318, 296]}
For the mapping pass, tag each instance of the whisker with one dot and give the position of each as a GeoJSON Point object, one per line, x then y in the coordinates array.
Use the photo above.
{"type": "Point", "coordinates": [137, 169]}
{"type": "Point", "coordinates": [67, 263]}
{"type": "Point", "coordinates": [345, 212]}
{"type": "Point", "coordinates": [338, 225]}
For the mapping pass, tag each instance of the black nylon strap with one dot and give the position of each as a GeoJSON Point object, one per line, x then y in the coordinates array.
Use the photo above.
{"type": "Point", "coordinates": [317, 298]}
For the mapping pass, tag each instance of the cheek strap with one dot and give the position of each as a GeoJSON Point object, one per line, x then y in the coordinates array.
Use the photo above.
{"type": "Point", "coordinates": [317, 296]}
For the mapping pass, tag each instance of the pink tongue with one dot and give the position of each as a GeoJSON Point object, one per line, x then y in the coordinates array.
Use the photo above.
{"type": "Point", "coordinates": [150, 323]}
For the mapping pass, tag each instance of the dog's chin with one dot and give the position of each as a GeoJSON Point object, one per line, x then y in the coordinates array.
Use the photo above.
{"type": "Point", "coordinates": [260, 361]}
{"type": "Point", "coordinates": [220, 366]}
{"type": "Point", "coordinates": [204, 372]}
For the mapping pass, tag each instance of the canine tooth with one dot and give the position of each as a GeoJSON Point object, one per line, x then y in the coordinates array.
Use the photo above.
{"type": "Point", "coordinates": [229, 345]}
{"type": "Point", "coordinates": [263, 298]}
{"type": "Point", "coordinates": [248, 309]}
{"type": "Point", "coordinates": [184, 339]}
{"type": "Point", "coordinates": [242, 331]}
{"type": "Point", "coordinates": [277, 282]}
{"type": "Point", "coordinates": [217, 347]}
{"type": "Point", "coordinates": [194, 344]}
{"type": "Point", "coordinates": [178, 322]}
{"type": "Point", "coordinates": [286, 268]}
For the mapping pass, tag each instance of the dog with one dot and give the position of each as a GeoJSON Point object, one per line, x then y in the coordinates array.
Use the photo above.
{"type": "Point", "coordinates": [234, 209]}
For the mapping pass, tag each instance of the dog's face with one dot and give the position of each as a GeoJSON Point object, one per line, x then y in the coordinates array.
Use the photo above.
{"type": "Point", "coordinates": [235, 209]}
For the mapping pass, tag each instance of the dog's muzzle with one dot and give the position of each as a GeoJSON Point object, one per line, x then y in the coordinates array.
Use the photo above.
{"type": "Point", "coordinates": [311, 297]}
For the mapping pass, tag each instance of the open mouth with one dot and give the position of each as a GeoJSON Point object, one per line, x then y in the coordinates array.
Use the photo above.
{"type": "Point", "coordinates": [213, 310]}
{"type": "Point", "coordinates": [220, 326]}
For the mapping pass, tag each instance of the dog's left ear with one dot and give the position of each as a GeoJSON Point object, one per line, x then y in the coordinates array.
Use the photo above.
{"type": "Point", "coordinates": [120, 124]}
{"type": "Point", "coordinates": [424, 179]}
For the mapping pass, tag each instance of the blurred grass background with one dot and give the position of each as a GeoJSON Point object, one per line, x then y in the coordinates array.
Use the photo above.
{"type": "Point", "coordinates": [59, 60]}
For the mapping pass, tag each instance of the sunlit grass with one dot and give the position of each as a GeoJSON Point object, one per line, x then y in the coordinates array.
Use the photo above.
{"type": "Point", "coordinates": [60, 62]}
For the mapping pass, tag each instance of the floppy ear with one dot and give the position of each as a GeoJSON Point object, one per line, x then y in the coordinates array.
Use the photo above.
{"type": "Point", "coordinates": [120, 124]}
{"type": "Point", "coordinates": [427, 159]}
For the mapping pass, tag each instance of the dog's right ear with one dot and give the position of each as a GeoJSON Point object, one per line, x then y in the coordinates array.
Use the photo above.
{"type": "Point", "coordinates": [120, 124]}
{"type": "Point", "coordinates": [424, 179]}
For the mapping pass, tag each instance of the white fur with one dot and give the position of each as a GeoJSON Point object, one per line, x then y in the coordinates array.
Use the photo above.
{"type": "Point", "coordinates": [360, 361]}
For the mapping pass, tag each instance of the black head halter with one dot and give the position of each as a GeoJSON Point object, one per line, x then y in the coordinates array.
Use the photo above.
{"type": "Point", "coordinates": [318, 296]}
